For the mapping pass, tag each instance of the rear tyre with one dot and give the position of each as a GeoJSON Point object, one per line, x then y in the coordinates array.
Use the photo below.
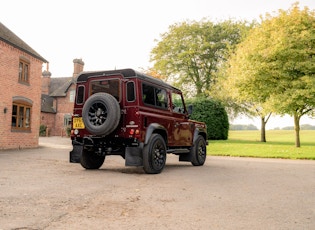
{"type": "Point", "coordinates": [154, 155]}
{"type": "Point", "coordinates": [199, 151]}
{"type": "Point", "coordinates": [90, 160]}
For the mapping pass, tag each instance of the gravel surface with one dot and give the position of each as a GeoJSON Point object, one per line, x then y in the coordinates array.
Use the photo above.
{"type": "Point", "coordinates": [39, 189]}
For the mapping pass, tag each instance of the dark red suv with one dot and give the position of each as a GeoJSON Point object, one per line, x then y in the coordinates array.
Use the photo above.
{"type": "Point", "coordinates": [124, 112]}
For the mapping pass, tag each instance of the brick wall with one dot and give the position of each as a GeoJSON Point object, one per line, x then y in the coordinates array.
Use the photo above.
{"type": "Point", "coordinates": [63, 105]}
{"type": "Point", "coordinates": [65, 108]}
{"type": "Point", "coordinates": [9, 88]}
{"type": "Point", "coordinates": [49, 119]}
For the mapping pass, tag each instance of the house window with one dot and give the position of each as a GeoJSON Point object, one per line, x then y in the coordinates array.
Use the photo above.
{"type": "Point", "coordinates": [67, 120]}
{"type": "Point", "coordinates": [72, 95]}
{"type": "Point", "coordinates": [24, 69]}
{"type": "Point", "coordinates": [21, 116]}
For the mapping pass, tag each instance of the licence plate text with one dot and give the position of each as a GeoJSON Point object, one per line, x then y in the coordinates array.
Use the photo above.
{"type": "Point", "coordinates": [77, 123]}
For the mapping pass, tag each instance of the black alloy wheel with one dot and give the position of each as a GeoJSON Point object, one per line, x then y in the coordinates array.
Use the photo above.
{"type": "Point", "coordinates": [154, 155]}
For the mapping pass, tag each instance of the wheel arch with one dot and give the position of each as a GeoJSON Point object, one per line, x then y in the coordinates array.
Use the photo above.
{"type": "Point", "coordinates": [155, 128]}
{"type": "Point", "coordinates": [200, 132]}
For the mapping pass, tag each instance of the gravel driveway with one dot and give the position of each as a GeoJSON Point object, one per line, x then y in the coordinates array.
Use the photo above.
{"type": "Point", "coordinates": [39, 189]}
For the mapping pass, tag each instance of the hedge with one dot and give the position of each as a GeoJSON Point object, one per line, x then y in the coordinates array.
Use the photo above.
{"type": "Point", "coordinates": [213, 114]}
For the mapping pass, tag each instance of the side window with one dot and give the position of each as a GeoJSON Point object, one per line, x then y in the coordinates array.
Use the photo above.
{"type": "Point", "coordinates": [161, 98]}
{"type": "Point", "coordinates": [154, 96]}
{"type": "Point", "coordinates": [177, 103]}
{"type": "Point", "coordinates": [148, 94]}
{"type": "Point", "coordinates": [131, 91]}
{"type": "Point", "coordinates": [80, 94]}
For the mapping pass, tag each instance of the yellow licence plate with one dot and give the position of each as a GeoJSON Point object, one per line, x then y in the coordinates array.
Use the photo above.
{"type": "Point", "coordinates": [77, 123]}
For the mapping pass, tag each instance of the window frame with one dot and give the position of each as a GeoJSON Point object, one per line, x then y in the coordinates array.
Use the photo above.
{"type": "Point", "coordinates": [130, 91]}
{"type": "Point", "coordinates": [72, 95]}
{"type": "Point", "coordinates": [22, 121]}
{"type": "Point", "coordinates": [67, 120]}
{"type": "Point", "coordinates": [80, 95]}
{"type": "Point", "coordinates": [24, 71]}
{"type": "Point", "coordinates": [93, 91]}
{"type": "Point", "coordinates": [156, 91]}
{"type": "Point", "coordinates": [178, 105]}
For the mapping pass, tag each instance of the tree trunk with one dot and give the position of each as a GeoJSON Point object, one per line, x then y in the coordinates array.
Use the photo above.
{"type": "Point", "coordinates": [297, 130]}
{"type": "Point", "coordinates": [263, 130]}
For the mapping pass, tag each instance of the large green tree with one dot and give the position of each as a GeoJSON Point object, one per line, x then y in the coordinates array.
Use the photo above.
{"type": "Point", "coordinates": [275, 64]}
{"type": "Point", "coordinates": [235, 99]}
{"type": "Point", "coordinates": [190, 53]}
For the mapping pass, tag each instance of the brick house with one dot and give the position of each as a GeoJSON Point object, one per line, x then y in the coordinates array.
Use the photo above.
{"type": "Point", "coordinates": [58, 100]}
{"type": "Point", "coordinates": [20, 90]}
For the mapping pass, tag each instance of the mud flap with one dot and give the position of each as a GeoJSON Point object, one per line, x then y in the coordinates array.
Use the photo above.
{"type": "Point", "coordinates": [185, 157]}
{"type": "Point", "coordinates": [133, 156]}
{"type": "Point", "coordinates": [76, 153]}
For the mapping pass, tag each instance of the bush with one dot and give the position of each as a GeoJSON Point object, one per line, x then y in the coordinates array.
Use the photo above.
{"type": "Point", "coordinates": [42, 130]}
{"type": "Point", "coordinates": [213, 114]}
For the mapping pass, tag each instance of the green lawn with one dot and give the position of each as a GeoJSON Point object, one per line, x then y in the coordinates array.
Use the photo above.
{"type": "Point", "coordinates": [280, 144]}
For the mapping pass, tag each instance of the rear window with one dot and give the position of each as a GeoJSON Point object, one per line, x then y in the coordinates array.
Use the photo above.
{"type": "Point", "coordinates": [131, 91]}
{"type": "Point", "coordinates": [80, 95]}
{"type": "Point", "coordinates": [110, 86]}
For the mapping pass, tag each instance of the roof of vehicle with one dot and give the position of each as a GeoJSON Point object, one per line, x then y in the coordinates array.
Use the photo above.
{"type": "Point", "coordinates": [126, 73]}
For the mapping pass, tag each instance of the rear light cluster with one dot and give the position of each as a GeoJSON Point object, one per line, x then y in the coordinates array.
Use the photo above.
{"type": "Point", "coordinates": [134, 132]}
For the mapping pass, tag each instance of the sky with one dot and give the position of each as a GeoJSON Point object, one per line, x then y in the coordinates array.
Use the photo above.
{"type": "Point", "coordinates": [118, 33]}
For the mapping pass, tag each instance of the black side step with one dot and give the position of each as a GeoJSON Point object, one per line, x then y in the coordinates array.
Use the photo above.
{"type": "Point", "coordinates": [178, 151]}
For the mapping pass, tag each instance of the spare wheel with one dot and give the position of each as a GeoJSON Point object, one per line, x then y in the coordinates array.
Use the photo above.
{"type": "Point", "coordinates": [101, 114]}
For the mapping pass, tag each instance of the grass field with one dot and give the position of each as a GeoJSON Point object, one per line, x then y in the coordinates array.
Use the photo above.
{"type": "Point", "coordinates": [280, 144]}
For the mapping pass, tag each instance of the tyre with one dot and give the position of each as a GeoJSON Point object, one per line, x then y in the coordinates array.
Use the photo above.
{"type": "Point", "coordinates": [154, 155]}
{"type": "Point", "coordinates": [89, 160]}
{"type": "Point", "coordinates": [199, 151]}
{"type": "Point", "coordinates": [101, 114]}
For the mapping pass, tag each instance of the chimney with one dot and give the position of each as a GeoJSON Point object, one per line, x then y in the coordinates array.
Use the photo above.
{"type": "Point", "coordinates": [78, 67]}
{"type": "Point", "coordinates": [46, 80]}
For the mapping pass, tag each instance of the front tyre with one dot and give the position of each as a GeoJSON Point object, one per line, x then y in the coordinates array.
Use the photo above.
{"type": "Point", "coordinates": [199, 151]}
{"type": "Point", "coordinates": [90, 160]}
{"type": "Point", "coordinates": [154, 154]}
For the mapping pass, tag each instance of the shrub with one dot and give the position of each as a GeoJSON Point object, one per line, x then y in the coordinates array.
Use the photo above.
{"type": "Point", "coordinates": [213, 114]}
{"type": "Point", "coordinates": [42, 130]}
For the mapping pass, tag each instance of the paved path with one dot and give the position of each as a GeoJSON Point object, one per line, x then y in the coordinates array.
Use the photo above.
{"type": "Point", "coordinates": [39, 189]}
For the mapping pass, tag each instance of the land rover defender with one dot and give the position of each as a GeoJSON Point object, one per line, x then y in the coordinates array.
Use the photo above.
{"type": "Point", "coordinates": [141, 118]}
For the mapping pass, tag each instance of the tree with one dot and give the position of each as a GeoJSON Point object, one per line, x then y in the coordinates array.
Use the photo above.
{"type": "Point", "coordinates": [235, 98]}
{"type": "Point", "coordinates": [275, 64]}
{"type": "Point", "coordinates": [153, 73]}
{"type": "Point", "coordinates": [190, 53]}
